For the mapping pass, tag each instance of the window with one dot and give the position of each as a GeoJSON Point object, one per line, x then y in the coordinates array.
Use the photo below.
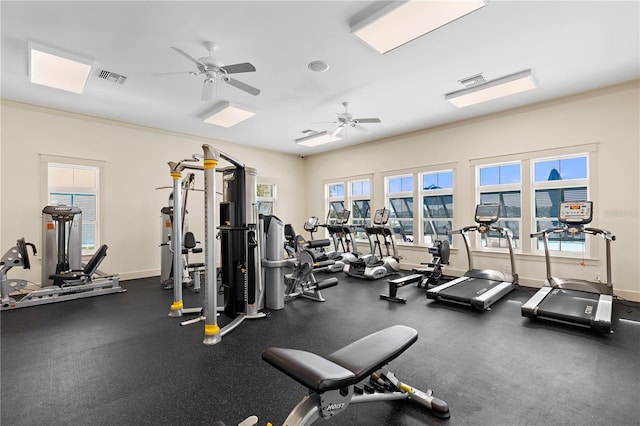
{"type": "Point", "coordinates": [77, 185]}
{"type": "Point", "coordinates": [400, 202]}
{"type": "Point", "coordinates": [361, 204]}
{"type": "Point", "coordinates": [530, 187]}
{"type": "Point", "coordinates": [353, 194]}
{"type": "Point", "coordinates": [437, 206]}
{"type": "Point", "coordinates": [501, 184]}
{"type": "Point", "coordinates": [266, 198]}
{"type": "Point", "coordinates": [335, 198]}
{"type": "Point", "coordinates": [555, 181]}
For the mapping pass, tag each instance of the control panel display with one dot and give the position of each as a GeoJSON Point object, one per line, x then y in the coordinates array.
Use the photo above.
{"type": "Point", "coordinates": [576, 212]}
{"type": "Point", "coordinates": [487, 213]}
{"type": "Point", "coordinates": [381, 216]}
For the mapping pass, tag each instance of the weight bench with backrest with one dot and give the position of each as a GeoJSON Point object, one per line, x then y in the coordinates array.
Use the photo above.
{"type": "Point", "coordinates": [75, 277]}
{"type": "Point", "coordinates": [354, 374]}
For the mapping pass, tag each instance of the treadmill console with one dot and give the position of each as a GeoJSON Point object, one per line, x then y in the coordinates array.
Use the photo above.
{"type": "Point", "coordinates": [381, 217]}
{"type": "Point", "coordinates": [487, 213]}
{"type": "Point", "coordinates": [576, 212]}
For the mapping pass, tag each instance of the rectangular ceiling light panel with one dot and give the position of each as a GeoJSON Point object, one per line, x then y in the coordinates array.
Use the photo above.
{"type": "Point", "coordinates": [512, 84]}
{"type": "Point", "coordinates": [403, 21]}
{"type": "Point", "coordinates": [55, 68]}
{"type": "Point", "coordinates": [316, 139]}
{"type": "Point", "coordinates": [228, 114]}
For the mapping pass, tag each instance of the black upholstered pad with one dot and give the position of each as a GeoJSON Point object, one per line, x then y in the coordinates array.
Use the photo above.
{"type": "Point", "coordinates": [311, 370]}
{"type": "Point", "coordinates": [368, 354]}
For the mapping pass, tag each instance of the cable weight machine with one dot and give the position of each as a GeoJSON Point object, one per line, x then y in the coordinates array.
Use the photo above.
{"type": "Point", "coordinates": [240, 251]}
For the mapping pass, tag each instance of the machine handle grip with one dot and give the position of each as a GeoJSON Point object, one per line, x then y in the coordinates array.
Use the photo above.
{"type": "Point", "coordinates": [35, 252]}
{"type": "Point", "coordinates": [605, 234]}
{"type": "Point", "coordinates": [547, 231]}
{"type": "Point", "coordinates": [463, 230]}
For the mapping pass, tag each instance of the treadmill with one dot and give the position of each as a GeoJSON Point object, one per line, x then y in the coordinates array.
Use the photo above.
{"type": "Point", "coordinates": [479, 288]}
{"type": "Point", "coordinates": [574, 301]}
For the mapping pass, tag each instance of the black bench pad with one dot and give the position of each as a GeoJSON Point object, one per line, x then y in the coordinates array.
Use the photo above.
{"type": "Point", "coordinates": [372, 352]}
{"type": "Point", "coordinates": [346, 366]}
{"type": "Point", "coordinates": [311, 370]}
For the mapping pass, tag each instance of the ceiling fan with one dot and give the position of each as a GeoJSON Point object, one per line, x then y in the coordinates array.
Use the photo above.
{"type": "Point", "coordinates": [213, 69]}
{"type": "Point", "coordinates": [346, 120]}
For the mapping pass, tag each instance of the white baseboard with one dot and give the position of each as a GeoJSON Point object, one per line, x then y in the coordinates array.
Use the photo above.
{"type": "Point", "coordinates": [134, 275]}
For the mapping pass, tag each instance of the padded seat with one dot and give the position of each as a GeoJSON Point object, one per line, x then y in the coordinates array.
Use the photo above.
{"type": "Point", "coordinates": [346, 366]}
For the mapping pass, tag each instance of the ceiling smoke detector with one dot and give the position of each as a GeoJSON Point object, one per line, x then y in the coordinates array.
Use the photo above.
{"type": "Point", "coordinates": [318, 66]}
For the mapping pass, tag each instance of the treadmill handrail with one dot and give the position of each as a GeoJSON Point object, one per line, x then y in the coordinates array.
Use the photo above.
{"type": "Point", "coordinates": [608, 237]}
{"type": "Point", "coordinates": [506, 232]}
{"type": "Point", "coordinates": [603, 232]}
{"type": "Point", "coordinates": [548, 231]}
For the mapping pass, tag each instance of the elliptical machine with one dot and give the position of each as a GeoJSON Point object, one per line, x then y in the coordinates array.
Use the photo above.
{"type": "Point", "coordinates": [569, 300]}
{"type": "Point", "coordinates": [377, 265]}
{"type": "Point", "coordinates": [344, 242]}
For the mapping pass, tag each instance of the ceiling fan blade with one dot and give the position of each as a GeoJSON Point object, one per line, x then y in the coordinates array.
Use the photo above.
{"type": "Point", "coordinates": [366, 120]}
{"type": "Point", "coordinates": [242, 86]}
{"type": "Point", "coordinates": [337, 131]}
{"type": "Point", "coordinates": [236, 68]}
{"type": "Point", "coordinates": [362, 129]}
{"type": "Point", "coordinates": [200, 65]}
{"type": "Point", "coordinates": [207, 89]}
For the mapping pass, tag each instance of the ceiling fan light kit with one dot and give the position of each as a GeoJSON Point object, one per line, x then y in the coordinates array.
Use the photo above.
{"type": "Point", "coordinates": [403, 21]}
{"type": "Point", "coordinates": [58, 69]}
{"type": "Point", "coordinates": [494, 89]}
{"type": "Point", "coordinates": [227, 114]}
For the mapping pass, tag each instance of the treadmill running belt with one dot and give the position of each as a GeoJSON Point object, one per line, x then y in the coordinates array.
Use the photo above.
{"type": "Point", "coordinates": [468, 289]}
{"type": "Point", "coordinates": [569, 305]}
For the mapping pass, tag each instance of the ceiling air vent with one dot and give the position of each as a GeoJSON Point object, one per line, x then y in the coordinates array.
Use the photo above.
{"type": "Point", "coordinates": [474, 80]}
{"type": "Point", "coordinates": [112, 76]}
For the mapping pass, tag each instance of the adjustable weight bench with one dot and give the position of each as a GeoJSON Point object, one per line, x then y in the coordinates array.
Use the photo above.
{"type": "Point", "coordinates": [351, 375]}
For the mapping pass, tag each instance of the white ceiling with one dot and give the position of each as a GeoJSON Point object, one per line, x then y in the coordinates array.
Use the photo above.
{"type": "Point", "coordinates": [570, 47]}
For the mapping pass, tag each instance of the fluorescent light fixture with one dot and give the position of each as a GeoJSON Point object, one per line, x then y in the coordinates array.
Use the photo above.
{"type": "Point", "coordinates": [56, 68]}
{"type": "Point", "coordinates": [317, 138]}
{"type": "Point", "coordinates": [505, 86]}
{"type": "Point", "coordinates": [228, 114]}
{"type": "Point", "coordinates": [403, 21]}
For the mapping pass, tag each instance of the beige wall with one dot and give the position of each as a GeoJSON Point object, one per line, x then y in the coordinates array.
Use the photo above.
{"type": "Point", "coordinates": [136, 159]}
{"type": "Point", "coordinates": [608, 119]}
{"type": "Point", "coordinates": [135, 163]}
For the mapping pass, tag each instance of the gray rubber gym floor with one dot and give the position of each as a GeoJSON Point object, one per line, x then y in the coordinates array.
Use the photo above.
{"type": "Point", "coordinates": [119, 359]}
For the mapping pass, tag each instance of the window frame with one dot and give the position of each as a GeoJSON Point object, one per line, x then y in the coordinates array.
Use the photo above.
{"type": "Point", "coordinates": [439, 192]}
{"type": "Point", "coordinates": [347, 200]}
{"type": "Point", "coordinates": [98, 191]}
{"type": "Point", "coordinates": [263, 199]}
{"type": "Point", "coordinates": [528, 188]}
{"type": "Point", "coordinates": [501, 188]}
{"type": "Point", "coordinates": [559, 184]}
